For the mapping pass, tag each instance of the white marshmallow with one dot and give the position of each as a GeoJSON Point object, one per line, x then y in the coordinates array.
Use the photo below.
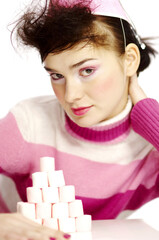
{"type": "Point", "coordinates": [40, 179]}
{"type": "Point", "coordinates": [67, 225]}
{"type": "Point", "coordinates": [50, 194]}
{"type": "Point", "coordinates": [81, 236]}
{"type": "Point", "coordinates": [60, 210]}
{"type": "Point", "coordinates": [47, 164]}
{"type": "Point", "coordinates": [56, 178]}
{"type": "Point", "coordinates": [51, 223]}
{"type": "Point", "coordinates": [39, 221]}
{"type": "Point", "coordinates": [84, 223]}
{"type": "Point", "coordinates": [34, 195]}
{"type": "Point", "coordinates": [43, 210]}
{"type": "Point", "coordinates": [75, 208]}
{"type": "Point", "coordinates": [67, 193]}
{"type": "Point", "coordinates": [26, 209]}
{"type": "Point", "coordinates": [19, 206]}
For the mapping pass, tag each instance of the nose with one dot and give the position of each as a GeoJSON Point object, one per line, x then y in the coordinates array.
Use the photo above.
{"type": "Point", "coordinates": [73, 91]}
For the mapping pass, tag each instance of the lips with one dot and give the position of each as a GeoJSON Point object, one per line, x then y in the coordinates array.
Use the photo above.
{"type": "Point", "coordinates": [81, 111]}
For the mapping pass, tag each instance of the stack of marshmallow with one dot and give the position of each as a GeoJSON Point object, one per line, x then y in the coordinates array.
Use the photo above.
{"type": "Point", "coordinates": [53, 204]}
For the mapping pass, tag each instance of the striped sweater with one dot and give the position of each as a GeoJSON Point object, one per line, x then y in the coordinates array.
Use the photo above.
{"type": "Point", "coordinates": [114, 165]}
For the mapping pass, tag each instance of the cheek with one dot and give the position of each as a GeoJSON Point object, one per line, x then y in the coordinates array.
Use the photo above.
{"type": "Point", "coordinates": [104, 87]}
{"type": "Point", "coordinates": [58, 92]}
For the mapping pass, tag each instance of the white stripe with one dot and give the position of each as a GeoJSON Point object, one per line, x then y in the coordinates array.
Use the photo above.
{"type": "Point", "coordinates": [41, 118]}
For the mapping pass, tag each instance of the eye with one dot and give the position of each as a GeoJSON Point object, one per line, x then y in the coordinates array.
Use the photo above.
{"type": "Point", "coordinates": [56, 76]}
{"type": "Point", "coordinates": [86, 72]}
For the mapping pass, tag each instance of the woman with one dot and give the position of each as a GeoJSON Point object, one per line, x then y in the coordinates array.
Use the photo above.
{"type": "Point", "coordinates": [99, 126]}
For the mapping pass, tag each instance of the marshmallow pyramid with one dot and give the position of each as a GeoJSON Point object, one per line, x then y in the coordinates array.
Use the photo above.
{"type": "Point", "coordinates": [52, 203]}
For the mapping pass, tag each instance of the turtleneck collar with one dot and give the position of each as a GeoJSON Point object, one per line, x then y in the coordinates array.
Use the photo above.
{"type": "Point", "coordinates": [111, 130]}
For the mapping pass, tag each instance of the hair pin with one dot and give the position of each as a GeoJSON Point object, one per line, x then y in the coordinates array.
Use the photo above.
{"type": "Point", "coordinates": [142, 45]}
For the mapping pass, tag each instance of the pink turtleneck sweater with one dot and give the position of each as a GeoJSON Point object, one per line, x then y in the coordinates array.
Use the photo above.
{"type": "Point", "coordinates": [114, 166]}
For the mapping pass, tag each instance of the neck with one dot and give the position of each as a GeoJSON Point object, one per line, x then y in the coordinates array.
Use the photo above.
{"type": "Point", "coordinates": [110, 130]}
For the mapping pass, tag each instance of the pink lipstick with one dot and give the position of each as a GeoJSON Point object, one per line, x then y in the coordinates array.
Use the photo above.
{"type": "Point", "coordinates": [81, 111]}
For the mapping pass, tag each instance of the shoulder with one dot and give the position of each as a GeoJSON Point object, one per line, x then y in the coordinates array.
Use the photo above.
{"type": "Point", "coordinates": [37, 113]}
{"type": "Point", "coordinates": [35, 104]}
{"type": "Point", "coordinates": [36, 107]}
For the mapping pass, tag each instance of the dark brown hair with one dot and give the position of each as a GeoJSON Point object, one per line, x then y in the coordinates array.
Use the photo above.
{"type": "Point", "coordinates": [55, 28]}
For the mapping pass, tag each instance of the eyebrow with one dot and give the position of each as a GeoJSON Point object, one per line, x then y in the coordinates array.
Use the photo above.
{"type": "Point", "coordinates": [72, 66]}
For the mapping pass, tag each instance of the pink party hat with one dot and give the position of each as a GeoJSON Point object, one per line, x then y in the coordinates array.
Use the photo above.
{"type": "Point", "coordinates": [112, 8]}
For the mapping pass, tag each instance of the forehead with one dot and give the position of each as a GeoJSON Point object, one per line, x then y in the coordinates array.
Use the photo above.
{"type": "Point", "coordinates": [76, 53]}
{"type": "Point", "coordinates": [78, 56]}
{"type": "Point", "coordinates": [78, 49]}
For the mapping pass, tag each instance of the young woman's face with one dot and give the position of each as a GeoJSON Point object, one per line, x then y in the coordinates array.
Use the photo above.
{"type": "Point", "coordinates": [90, 83]}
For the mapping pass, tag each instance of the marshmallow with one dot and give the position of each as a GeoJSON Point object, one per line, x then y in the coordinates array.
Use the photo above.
{"type": "Point", "coordinates": [39, 221]}
{"type": "Point", "coordinates": [60, 210]}
{"type": "Point", "coordinates": [81, 236]}
{"type": "Point", "coordinates": [51, 223]}
{"type": "Point", "coordinates": [40, 179]}
{"type": "Point", "coordinates": [84, 223]}
{"type": "Point", "coordinates": [34, 195]}
{"type": "Point", "coordinates": [47, 164]}
{"type": "Point", "coordinates": [75, 208]}
{"type": "Point", "coordinates": [67, 225]}
{"type": "Point", "coordinates": [50, 194]}
{"type": "Point", "coordinates": [26, 209]}
{"type": "Point", "coordinates": [43, 210]}
{"type": "Point", "coordinates": [67, 193]}
{"type": "Point", "coordinates": [56, 178]}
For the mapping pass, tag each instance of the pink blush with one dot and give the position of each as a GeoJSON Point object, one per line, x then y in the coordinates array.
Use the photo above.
{"type": "Point", "coordinates": [104, 87]}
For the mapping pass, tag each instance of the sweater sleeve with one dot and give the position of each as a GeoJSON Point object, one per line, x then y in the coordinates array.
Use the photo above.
{"type": "Point", "coordinates": [12, 146]}
{"type": "Point", "coordinates": [145, 120]}
{"type": "Point", "coordinates": [11, 150]}
{"type": "Point", "coordinates": [20, 147]}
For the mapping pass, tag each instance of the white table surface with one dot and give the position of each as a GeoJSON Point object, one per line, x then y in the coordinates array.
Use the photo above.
{"type": "Point", "coordinates": [123, 230]}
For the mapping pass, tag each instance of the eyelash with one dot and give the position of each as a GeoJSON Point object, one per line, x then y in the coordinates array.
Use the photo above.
{"type": "Point", "coordinates": [81, 71]}
{"type": "Point", "coordinates": [56, 79]}
{"type": "Point", "coordinates": [85, 69]}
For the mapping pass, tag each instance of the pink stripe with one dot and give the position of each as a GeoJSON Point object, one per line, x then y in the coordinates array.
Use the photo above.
{"type": "Point", "coordinates": [116, 140]}
{"type": "Point", "coordinates": [17, 155]}
{"type": "Point", "coordinates": [106, 135]}
{"type": "Point", "coordinates": [18, 158]}
{"type": "Point", "coordinates": [86, 175]}
{"type": "Point", "coordinates": [110, 208]}
{"type": "Point", "coordinates": [12, 145]}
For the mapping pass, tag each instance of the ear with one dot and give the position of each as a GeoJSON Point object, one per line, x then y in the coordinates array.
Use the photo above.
{"type": "Point", "coordinates": [132, 59]}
